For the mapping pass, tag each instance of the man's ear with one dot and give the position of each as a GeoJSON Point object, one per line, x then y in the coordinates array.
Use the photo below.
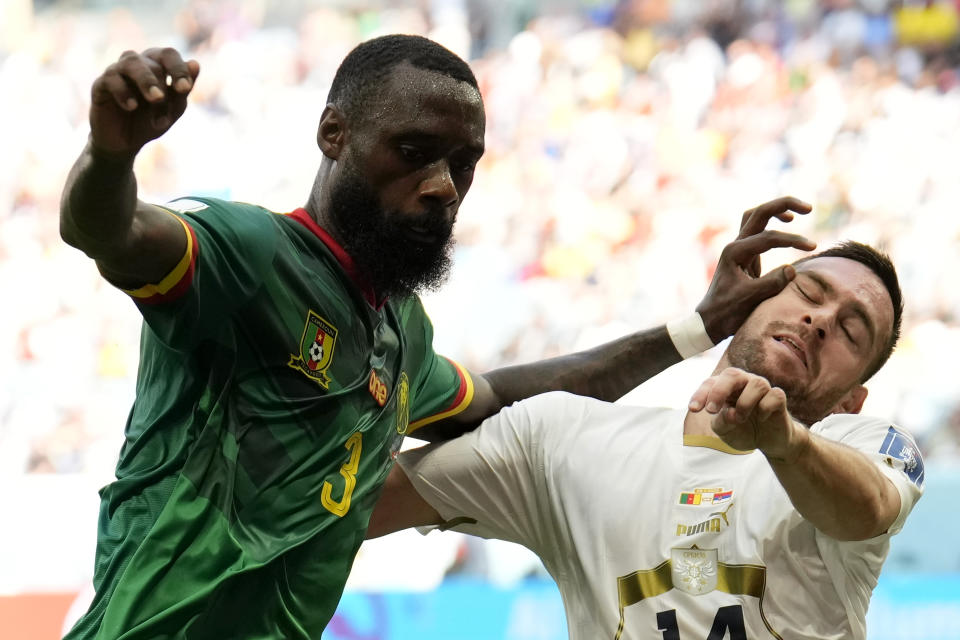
{"type": "Point", "coordinates": [332, 132]}
{"type": "Point", "coordinates": [852, 401]}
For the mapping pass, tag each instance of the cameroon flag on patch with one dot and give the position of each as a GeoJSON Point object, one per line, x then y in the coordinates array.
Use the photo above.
{"type": "Point", "coordinates": [689, 498]}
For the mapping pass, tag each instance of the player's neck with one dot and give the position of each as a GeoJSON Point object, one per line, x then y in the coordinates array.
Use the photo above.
{"type": "Point", "coordinates": [318, 203]}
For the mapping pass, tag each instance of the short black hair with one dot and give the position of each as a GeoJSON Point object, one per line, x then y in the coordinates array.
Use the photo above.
{"type": "Point", "coordinates": [881, 265]}
{"type": "Point", "coordinates": [363, 70]}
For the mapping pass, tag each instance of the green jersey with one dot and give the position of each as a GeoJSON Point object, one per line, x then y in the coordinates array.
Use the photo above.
{"type": "Point", "coordinates": [273, 394]}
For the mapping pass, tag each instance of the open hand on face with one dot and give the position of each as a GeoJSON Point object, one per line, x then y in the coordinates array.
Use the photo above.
{"type": "Point", "coordinates": [748, 413]}
{"type": "Point", "coordinates": [137, 99]}
{"type": "Point", "coordinates": [737, 287]}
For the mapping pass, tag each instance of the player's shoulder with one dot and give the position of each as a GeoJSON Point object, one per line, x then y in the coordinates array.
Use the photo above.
{"type": "Point", "coordinates": [892, 444]}
{"type": "Point", "coordinates": [586, 412]}
{"type": "Point", "coordinates": [213, 210]}
{"type": "Point", "coordinates": [226, 218]}
{"type": "Point", "coordinates": [839, 426]}
{"type": "Point", "coordinates": [561, 401]}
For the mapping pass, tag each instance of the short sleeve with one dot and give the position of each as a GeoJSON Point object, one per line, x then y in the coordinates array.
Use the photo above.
{"type": "Point", "coordinates": [446, 389]}
{"type": "Point", "coordinates": [891, 448]}
{"type": "Point", "coordinates": [441, 388]}
{"type": "Point", "coordinates": [490, 481]}
{"type": "Point", "coordinates": [230, 250]}
{"type": "Point", "coordinates": [854, 565]}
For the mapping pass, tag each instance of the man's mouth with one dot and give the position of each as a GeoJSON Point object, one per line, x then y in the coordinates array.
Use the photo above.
{"type": "Point", "coordinates": [420, 233]}
{"type": "Point", "coordinates": [426, 231]}
{"type": "Point", "coordinates": [795, 345]}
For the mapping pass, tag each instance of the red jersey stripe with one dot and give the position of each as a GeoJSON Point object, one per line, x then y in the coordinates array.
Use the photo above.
{"type": "Point", "coordinates": [460, 402]}
{"type": "Point", "coordinates": [175, 283]}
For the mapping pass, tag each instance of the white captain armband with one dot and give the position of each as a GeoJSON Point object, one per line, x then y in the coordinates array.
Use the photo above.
{"type": "Point", "coordinates": [689, 336]}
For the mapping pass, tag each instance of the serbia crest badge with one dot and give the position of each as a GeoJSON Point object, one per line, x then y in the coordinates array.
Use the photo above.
{"type": "Point", "coordinates": [694, 570]}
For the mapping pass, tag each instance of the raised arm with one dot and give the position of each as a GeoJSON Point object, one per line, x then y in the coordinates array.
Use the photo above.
{"type": "Point", "coordinates": [835, 487]}
{"type": "Point", "coordinates": [135, 100]}
{"type": "Point", "coordinates": [400, 507]}
{"type": "Point", "coordinates": [609, 371]}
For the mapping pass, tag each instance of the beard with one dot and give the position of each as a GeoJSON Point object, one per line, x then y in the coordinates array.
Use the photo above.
{"type": "Point", "coordinates": [749, 354]}
{"type": "Point", "coordinates": [377, 240]}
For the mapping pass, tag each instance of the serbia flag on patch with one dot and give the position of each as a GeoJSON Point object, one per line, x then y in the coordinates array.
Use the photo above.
{"type": "Point", "coordinates": [898, 445]}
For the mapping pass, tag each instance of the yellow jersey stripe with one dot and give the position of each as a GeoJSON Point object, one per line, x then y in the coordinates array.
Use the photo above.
{"type": "Point", "coordinates": [174, 277]}
{"type": "Point", "coordinates": [457, 407]}
{"type": "Point", "coordinates": [711, 442]}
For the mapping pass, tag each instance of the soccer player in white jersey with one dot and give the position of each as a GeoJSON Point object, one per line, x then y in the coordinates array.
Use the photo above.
{"type": "Point", "coordinates": [764, 509]}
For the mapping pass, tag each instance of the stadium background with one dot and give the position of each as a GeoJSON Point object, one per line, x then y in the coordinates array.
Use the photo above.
{"type": "Point", "coordinates": [624, 139]}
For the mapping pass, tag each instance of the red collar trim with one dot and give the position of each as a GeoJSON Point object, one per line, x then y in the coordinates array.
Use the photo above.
{"type": "Point", "coordinates": [303, 217]}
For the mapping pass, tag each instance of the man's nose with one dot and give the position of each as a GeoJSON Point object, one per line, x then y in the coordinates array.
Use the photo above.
{"type": "Point", "coordinates": [818, 322]}
{"type": "Point", "coordinates": [438, 185]}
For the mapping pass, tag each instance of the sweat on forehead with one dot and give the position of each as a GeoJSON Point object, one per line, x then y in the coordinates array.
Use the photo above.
{"type": "Point", "coordinates": [371, 63]}
{"type": "Point", "coordinates": [408, 90]}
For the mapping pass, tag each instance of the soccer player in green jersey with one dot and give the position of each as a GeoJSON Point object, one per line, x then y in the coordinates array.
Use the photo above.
{"type": "Point", "coordinates": [285, 356]}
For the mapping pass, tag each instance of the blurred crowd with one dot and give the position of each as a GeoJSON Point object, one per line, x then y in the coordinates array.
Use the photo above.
{"type": "Point", "coordinates": [624, 139]}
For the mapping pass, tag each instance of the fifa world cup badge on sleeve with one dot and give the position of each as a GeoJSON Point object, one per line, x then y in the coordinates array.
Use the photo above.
{"type": "Point", "coordinates": [898, 446]}
{"type": "Point", "coordinates": [316, 349]}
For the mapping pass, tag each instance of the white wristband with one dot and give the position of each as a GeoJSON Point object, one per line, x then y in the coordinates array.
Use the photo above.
{"type": "Point", "coordinates": [689, 335]}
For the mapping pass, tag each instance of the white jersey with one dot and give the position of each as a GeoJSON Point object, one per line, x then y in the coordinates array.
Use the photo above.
{"type": "Point", "coordinates": [653, 534]}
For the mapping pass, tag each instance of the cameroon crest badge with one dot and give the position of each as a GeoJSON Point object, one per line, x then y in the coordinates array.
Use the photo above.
{"type": "Point", "coordinates": [316, 349]}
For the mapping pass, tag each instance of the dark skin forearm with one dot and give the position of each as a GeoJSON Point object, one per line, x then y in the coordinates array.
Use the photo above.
{"type": "Point", "coordinates": [98, 203]}
{"type": "Point", "coordinates": [134, 243]}
{"type": "Point", "coordinates": [607, 372]}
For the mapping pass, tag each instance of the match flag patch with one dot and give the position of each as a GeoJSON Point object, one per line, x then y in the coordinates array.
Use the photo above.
{"type": "Point", "coordinates": [705, 496]}
{"type": "Point", "coordinates": [898, 446]}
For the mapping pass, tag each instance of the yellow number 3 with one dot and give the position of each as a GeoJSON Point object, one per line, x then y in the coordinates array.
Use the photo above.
{"type": "Point", "coordinates": [349, 472]}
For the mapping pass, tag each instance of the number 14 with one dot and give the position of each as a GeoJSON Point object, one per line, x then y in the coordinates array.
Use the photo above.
{"type": "Point", "coordinates": [727, 619]}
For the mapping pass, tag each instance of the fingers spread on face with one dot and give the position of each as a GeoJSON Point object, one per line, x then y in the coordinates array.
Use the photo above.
{"type": "Point", "coordinates": [772, 283]}
{"type": "Point", "coordinates": [745, 250]}
{"type": "Point", "coordinates": [755, 220]}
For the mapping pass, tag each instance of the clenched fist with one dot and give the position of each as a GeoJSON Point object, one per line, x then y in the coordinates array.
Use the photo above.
{"type": "Point", "coordinates": [749, 413]}
{"type": "Point", "coordinates": [137, 99]}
